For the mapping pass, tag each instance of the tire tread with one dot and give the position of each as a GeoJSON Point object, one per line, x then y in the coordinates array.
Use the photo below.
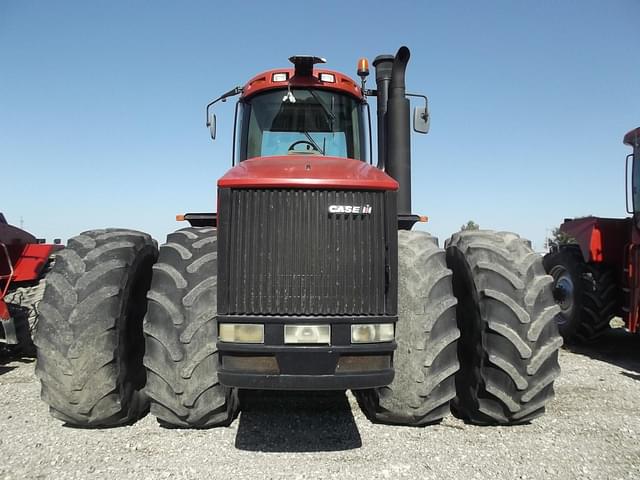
{"type": "Point", "coordinates": [509, 346]}
{"type": "Point", "coordinates": [77, 335]}
{"type": "Point", "coordinates": [426, 333]}
{"type": "Point", "coordinates": [181, 334]}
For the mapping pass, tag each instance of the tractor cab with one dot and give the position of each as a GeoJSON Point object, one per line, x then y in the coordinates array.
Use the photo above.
{"type": "Point", "coordinates": [311, 111]}
{"type": "Point", "coordinates": [299, 111]}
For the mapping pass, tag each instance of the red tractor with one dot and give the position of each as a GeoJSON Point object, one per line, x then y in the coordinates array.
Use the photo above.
{"type": "Point", "coordinates": [23, 263]}
{"type": "Point", "coordinates": [308, 277]}
{"type": "Point", "coordinates": [596, 276]}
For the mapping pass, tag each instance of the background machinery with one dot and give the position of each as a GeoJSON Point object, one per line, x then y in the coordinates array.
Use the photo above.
{"type": "Point", "coordinates": [596, 276]}
{"type": "Point", "coordinates": [23, 263]}
{"type": "Point", "coordinates": [309, 276]}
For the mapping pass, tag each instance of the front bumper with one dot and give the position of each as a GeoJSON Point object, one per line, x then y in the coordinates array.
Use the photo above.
{"type": "Point", "coordinates": [279, 366]}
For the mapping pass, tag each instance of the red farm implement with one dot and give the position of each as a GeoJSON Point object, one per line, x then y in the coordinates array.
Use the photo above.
{"type": "Point", "coordinates": [596, 276]}
{"type": "Point", "coordinates": [23, 261]}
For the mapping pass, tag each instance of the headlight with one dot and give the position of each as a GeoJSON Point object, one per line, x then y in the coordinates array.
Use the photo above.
{"type": "Point", "coordinates": [241, 332]}
{"type": "Point", "coordinates": [307, 334]}
{"type": "Point", "coordinates": [372, 333]}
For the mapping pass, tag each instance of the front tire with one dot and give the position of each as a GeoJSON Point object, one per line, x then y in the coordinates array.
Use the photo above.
{"type": "Point", "coordinates": [89, 336]}
{"type": "Point", "coordinates": [426, 333]}
{"type": "Point", "coordinates": [508, 350]}
{"type": "Point", "coordinates": [181, 333]}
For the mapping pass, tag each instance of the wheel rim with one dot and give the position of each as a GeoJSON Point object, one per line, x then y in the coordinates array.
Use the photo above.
{"type": "Point", "coordinates": [563, 292]}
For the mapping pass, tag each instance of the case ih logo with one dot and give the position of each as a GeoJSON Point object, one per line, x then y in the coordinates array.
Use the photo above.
{"type": "Point", "coordinates": [358, 209]}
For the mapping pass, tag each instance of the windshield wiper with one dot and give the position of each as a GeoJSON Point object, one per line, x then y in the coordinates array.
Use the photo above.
{"type": "Point", "coordinates": [313, 142]}
{"type": "Point", "coordinates": [329, 113]}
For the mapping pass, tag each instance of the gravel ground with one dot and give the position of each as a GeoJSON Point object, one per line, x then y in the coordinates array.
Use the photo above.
{"type": "Point", "coordinates": [591, 430]}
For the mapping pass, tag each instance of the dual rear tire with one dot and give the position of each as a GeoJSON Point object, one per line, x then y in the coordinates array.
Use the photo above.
{"type": "Point", "coordinates": [476, 330]}
{"type": "Point", "coordinates": [100, 364]}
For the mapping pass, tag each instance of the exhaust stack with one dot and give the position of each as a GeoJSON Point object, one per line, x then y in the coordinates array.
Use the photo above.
{"type": "Point", "coordinates": [383, 65]}
{"type": "Point", "coordinates": [394, 135]}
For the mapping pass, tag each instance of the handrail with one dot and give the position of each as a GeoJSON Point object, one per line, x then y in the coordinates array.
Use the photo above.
{"type": "Point", "coordinates": [626, 184]}
{"type": "Point", "coordinates": [632, 278]}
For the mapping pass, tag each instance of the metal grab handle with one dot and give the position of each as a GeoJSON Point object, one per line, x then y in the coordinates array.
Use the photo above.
{"type": "Point", "coordinates": [632, 279]}
{"type": "Point", "coordinates": [626, 184]}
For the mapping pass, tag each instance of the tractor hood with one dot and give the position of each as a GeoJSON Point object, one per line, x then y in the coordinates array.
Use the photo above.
{"type": "Point", "coordinates": [306, 171]}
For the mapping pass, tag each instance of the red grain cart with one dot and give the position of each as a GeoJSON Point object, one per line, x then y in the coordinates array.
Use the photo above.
{"type": "Point", "coordinates": [596, 277]}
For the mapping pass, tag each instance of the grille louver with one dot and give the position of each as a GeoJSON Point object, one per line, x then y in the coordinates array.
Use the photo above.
{"type": "Point", "coordinates": [283, 253]}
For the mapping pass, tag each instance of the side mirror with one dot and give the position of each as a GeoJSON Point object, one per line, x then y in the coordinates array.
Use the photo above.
{"type": "Point", "coordinates": [421, 120]}
{"type": "Point", "coordinates": [211, 117]}
{"type": "Point", "coordinates": [211, 123]}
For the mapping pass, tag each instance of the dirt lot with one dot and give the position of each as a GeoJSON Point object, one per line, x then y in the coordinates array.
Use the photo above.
{"type": "Point", "coordinates": [591, 430]}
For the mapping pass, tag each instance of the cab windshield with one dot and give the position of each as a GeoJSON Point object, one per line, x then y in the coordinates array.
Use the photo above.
{"type": "Point", "coordinates": [300, 122]}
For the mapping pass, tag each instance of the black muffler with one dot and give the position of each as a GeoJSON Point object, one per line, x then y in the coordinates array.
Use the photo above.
{"type": "Point", "coordinates": [394, 123]}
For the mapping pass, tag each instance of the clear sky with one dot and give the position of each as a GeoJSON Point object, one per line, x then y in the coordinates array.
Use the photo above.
{"type": "Point", "coordinates": [102, 104]}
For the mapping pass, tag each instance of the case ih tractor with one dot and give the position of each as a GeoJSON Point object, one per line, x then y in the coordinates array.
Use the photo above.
{"type": "Point", "coordinates": [23, 263]}
{"type": "Point", "coordinates": [308, 277]}
{"type": "Point", "coordinates": [596, 276]}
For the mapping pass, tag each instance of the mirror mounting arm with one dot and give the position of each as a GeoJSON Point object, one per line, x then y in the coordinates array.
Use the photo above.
{"type": "Point", "coordinates": [209, 122]}
{"type": "Point", "coordinates": [421, 115]}
{"type": "Point", "coordinates": [374, 93]}
{"type": "Point", "coordinates": [234, 91]}
{"type": "Point", "coordinates": [417, 95]}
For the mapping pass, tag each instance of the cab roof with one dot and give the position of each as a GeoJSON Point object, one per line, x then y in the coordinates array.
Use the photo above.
{"type": "Point", "coordinates": [632, 138]}
{"type": "Point", "coordinates": [281, 78]}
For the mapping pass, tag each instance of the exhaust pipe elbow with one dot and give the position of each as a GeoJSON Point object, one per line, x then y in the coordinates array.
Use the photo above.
{"type": "Point", "coordinates": [397, 84]}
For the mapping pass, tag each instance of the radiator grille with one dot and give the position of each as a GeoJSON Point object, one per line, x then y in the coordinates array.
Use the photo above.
{"type": "Point", "coordinates": [286, 254]}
